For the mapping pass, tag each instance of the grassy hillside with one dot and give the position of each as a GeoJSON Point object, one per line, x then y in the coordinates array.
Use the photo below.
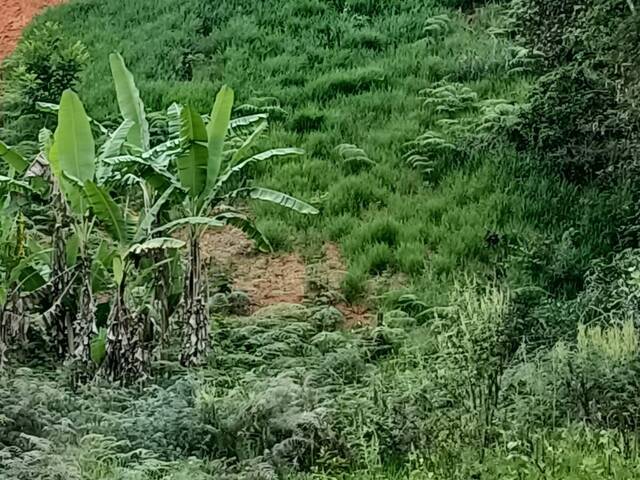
{"type": "Point", "coordinates": [351, 72]}
{"type": "Point", "coordinates": [482, 262]}
{"type": "Point", "coordinates": [340, 74]}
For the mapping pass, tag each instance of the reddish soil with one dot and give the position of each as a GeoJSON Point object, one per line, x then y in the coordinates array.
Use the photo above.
{"type": "Point", "coordinates": [271, 279]}
{"type": "Point", "coordinates": [16, 14]}
{"type": "Point", "coordinates": [267, 278]}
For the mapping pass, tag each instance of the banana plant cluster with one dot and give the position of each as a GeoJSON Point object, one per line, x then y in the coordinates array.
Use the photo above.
{"type": "Point", "coordinates": [23, 261]}
{"type": "Point", "coordinates": [121, 213]}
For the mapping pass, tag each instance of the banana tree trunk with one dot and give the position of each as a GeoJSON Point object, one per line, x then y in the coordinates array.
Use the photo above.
{"type": "Point", "coordinates": [161, 293]}
{"type": "Point", "coordinates": [12, 324]}
{"type": "Point", "coordinates": [196, 342]}
{"type": "Point", "coordinates": [60, 317]}
{"type": "Point", "coordinates": [85, 325]}
{"type": "Point", "coordinates": [126, 359]}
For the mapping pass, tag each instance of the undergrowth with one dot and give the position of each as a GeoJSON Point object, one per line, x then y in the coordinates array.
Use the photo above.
{"type": "Point", "coordinates": [508, 345]}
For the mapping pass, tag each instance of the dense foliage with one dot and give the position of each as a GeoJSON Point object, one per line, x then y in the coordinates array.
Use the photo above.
{"type": "Point", "coordinates": [584, 116]}
{"type": "Point", "coordinates": [475, 163]}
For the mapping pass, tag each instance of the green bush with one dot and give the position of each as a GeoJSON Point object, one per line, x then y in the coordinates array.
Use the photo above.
{"type": "Point", "coordinates": [42, 67]}
{"type": "Point", "coordinates": [574, 122]}
{"type": "Point", "coordinates": [593, 381]}
{"type": "Point", "coordinates": [239, 302]}
{"type": "Point", "coordinates": [328, 318]}
{"type": "Point", "coordinates": [582, 116]}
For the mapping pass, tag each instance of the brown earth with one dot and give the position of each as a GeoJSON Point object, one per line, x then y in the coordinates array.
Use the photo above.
{"type": "Point", "coordinates": [276, 278]}
{"type": "Point", "coordinates": [16, 14]}
{"type": "Point", "coordinates": [267, 278]}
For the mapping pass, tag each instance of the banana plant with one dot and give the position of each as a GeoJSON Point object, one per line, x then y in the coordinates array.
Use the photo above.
{"type": "Point", "coordinates": [127, 353]}
{"type": "Point", "coordinates": [207, 170]}
{"type": "Point", "coordinates": [72, 159]}
{"type": "Point", "coordinates": [21, 274]}
{"type": "Point", "coordinates": [199, 162]}
{"type": "Point", "coordinates": [131, 160]}
{"type": "Point", "coordinates": [71, 156]}
{"type": "Point", "coordinates": [22, 269]}
{"type": "Point", "coordinates": [74, 164]}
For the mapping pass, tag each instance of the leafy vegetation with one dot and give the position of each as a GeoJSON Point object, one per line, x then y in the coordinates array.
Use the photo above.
{"type": "Point", "coordinates": [473, 162]}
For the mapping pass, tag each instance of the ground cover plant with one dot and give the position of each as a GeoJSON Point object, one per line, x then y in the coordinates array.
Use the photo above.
{"type": "Point", "coordinates": [472, 163]}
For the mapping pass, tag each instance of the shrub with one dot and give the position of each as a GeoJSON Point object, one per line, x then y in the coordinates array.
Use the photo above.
{"type": "Point", "coordinates": [239, 303]}
{"type": "Point", "coordinates": [276, 415]}
{"type": "Point", "coordinates": [327, 318]}
{"type": "Point", "coordinates": [219, 303]}
{"type": "Point", "coordinates": [593, 381]}
{"type": "Point", "coordinates": [573, 121]}
{"type": "Point", "coordinates": [42, 67]}
{"type": "Point", "coordinates": [610, 293]}
{"type": "Point", "coordinates": [582, 114]}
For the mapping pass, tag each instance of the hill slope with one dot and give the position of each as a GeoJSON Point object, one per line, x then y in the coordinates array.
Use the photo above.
{"type": "Point", "coordinates": [478, 260]}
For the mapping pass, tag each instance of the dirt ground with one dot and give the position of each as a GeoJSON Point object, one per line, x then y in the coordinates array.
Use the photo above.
{"type": "Point", "coordinates": [16, 14]}
{"type": "Point", "coordinates": [276, 278]}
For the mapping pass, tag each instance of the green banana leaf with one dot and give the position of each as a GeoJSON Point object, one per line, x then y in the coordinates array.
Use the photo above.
{"type": "Point", "coordinates": [217, 131]}
{"type": "Point", "coordinates": [130, 103]}
{"type": "Point", "coordinates": [192, 163]}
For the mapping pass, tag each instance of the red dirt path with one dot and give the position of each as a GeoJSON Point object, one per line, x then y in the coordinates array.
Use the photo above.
{"type": "Point", "coordinates": [16, 14]}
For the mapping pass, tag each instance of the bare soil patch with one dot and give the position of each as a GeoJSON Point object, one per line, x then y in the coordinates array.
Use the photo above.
{"type": "Point", "coordinates": [278, 278]}
{"type": "Point", "coordinates": [16, 14]}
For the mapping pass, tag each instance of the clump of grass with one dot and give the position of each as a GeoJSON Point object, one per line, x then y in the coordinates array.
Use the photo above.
{"type": "Point", "coordinates": [354, 194]}
{"type": "Point", "coordinates": [382, 230]}
{"type": "Point", "coordinates": [354, 285]}
{"type": "Point", "coordinates": [366, 39]}
{"type": "Point", "coordinates": [347, 82]}
{"type": "Point", "coordinates": [307, 120]}
{"type": "Point", "coordinates": [411, 258]}
{"type": "Point", "coordinates": [280, 234]}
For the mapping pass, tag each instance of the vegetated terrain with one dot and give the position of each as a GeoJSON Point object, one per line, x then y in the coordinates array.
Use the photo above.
{"type": "Point", "coordinates": [475, 165]}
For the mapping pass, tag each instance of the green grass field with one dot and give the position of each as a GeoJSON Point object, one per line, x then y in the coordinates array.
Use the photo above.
{"type": "Point", "coordinates": [473, 254]}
